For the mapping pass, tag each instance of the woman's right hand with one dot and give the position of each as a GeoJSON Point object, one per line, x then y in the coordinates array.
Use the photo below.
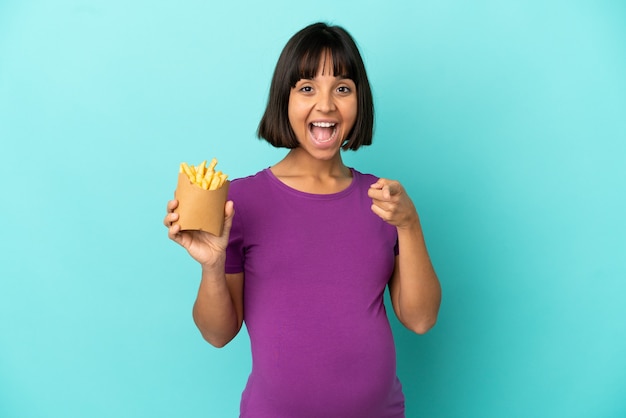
{"type": "Point", "coordinates": [203, 246]}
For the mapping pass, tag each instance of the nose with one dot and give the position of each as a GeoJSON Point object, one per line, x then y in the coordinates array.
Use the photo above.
{"type": "Point", "coordinates": [326, 102]}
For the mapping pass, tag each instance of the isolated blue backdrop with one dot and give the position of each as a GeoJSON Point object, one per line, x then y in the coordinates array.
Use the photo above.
{"type": "Point", "coordinates": [506, 122]}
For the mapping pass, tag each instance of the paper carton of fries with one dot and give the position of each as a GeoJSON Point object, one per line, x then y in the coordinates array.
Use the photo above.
{"type": "Point", "coordinates": [201, 193]}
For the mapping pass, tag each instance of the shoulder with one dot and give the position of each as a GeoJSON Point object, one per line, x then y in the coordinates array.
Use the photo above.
{"type": "Point", "coordinates": [251, 191]}
{"type": "Point", "coordinates": [248, 183]}
{"type": "Point", "coordinates": [363, 180]}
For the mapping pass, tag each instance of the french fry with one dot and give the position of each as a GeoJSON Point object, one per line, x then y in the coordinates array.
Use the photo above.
{"type": "Point", "coordinates": [215, 182]}
{"type": "Point", "coordinates": [200, 173]}
{"type": "Point", "coordinates": [186, 169]}
{"type": "Point", "coordinates": [202, 167]}
{"type": "Point", "coordinates": [223, 178]}
{"type": "Point", "coordinates": [208, 177]}
{"type": "Point", "coordinates": [205, 177]}
{"type": "Point", "coordinates": [212, 165]}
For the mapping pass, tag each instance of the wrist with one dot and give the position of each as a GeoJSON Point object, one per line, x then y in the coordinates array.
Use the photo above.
{"type": "Point", "coordinates": [212, 267]}
{"type": "Point", "coordinates": [411, 224]}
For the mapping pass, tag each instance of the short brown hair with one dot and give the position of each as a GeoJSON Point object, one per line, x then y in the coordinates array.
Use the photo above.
{"type": "Point", "coordinates": [300, 59]}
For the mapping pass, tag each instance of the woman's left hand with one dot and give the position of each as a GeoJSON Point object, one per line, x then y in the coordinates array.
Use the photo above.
{"type": "Point", "coordinates": [392, 204]}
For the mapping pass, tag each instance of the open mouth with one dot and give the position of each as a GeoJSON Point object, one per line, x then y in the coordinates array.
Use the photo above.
{"type": "Point", "coordinates": [323, 132]}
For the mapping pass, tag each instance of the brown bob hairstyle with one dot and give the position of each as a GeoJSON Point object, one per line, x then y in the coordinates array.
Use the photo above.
{"type": "Point", "coordinates": [300, 60]}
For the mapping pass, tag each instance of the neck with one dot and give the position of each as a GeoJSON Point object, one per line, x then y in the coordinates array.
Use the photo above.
{"type": "Point", "coordinates": [312, 175]}
{"type": "Point", "coordinates": [298, 163]}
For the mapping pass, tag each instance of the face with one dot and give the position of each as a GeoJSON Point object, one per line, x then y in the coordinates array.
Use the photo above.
{"type": "Point", "coordinates": [322, 111]}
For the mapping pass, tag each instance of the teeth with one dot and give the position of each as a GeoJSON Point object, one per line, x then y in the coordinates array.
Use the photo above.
{"type": "Point", "coordinates": [323, 124]}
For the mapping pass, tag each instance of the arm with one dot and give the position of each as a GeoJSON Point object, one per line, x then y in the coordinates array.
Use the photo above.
{"type": "Point", "coordinates": [414, 287]}
{"type": "Point", "coordinates": [218, 309]}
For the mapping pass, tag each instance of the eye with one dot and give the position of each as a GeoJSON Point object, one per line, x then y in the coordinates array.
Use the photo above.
{"type": "Point", "coordinates": [306, 89]}
{"type": "Point", "coordinates": [344, 89]}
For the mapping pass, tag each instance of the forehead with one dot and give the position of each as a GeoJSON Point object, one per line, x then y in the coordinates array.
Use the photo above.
{"type": "Point", "coordinates": [324, 62]}
{"type": "Point", "coordinates": [325, 65]}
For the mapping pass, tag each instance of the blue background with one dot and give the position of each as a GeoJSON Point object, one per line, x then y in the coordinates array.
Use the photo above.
{"type": "Point", "coordinates": [505, 121]}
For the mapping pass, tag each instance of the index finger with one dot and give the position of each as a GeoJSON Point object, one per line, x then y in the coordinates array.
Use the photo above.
{"type": "Point", "coordinates": [172, 204]}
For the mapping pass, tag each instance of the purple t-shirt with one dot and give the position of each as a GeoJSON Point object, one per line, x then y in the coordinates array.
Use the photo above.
{"type": "Point", "coordinates": [315, 272]}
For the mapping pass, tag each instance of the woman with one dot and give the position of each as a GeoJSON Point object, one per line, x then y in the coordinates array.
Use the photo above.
{"type": "Point", "coordinates": [307, 257]}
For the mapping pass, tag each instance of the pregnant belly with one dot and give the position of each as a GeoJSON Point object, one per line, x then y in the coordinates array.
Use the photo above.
{"type": "Point", "coordinates": [341, 371]}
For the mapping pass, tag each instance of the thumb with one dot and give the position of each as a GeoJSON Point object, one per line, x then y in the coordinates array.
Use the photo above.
{"type": "Point", "coordinates": [229, 209]}
{"type": "Point", "coordinates": [229, 213]}
{"type": "Point", "coordinates": [392, 188]}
